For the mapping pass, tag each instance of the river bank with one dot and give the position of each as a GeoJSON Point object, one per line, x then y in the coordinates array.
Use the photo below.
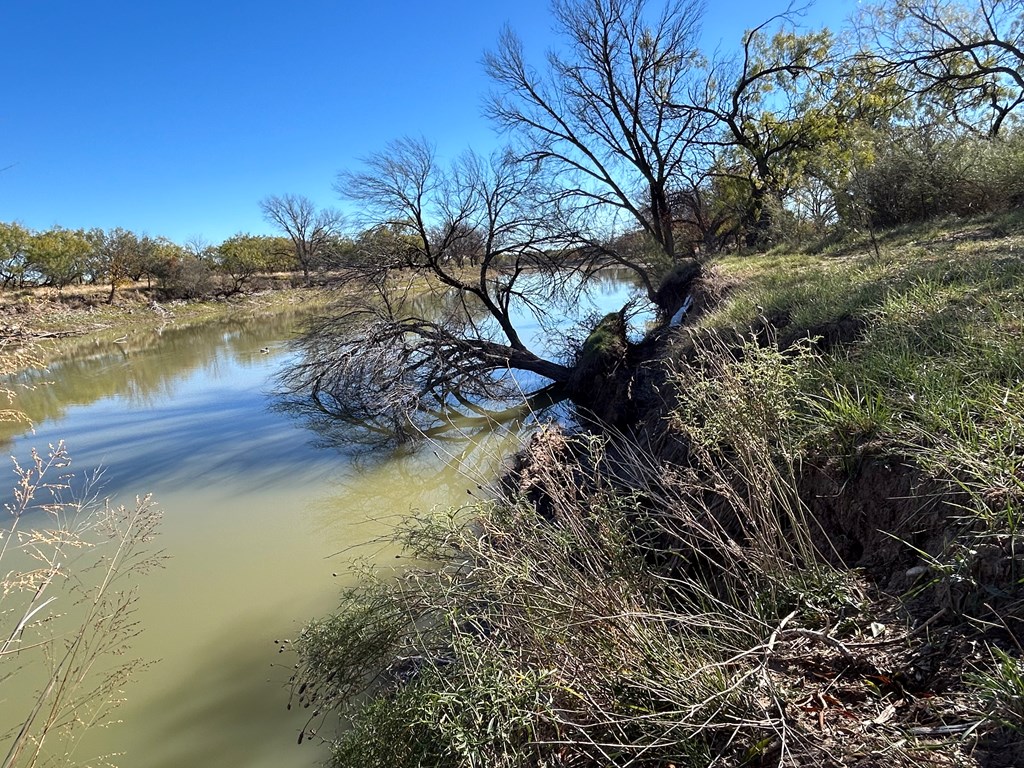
{"type": "Point", "coordinates": [260, 525]}
{"type": "Point", "coordinates": [54, 322]}
{"type": "Point", "coordinates": [805, 551]}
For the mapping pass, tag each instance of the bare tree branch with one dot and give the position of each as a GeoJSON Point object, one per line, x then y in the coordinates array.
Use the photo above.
{"type": "Point", "coordinates": [600, 116]}
{"type": "Point", "coordinates": [422, 331]}
{"type": "Point", "coordinates": [312, 232]}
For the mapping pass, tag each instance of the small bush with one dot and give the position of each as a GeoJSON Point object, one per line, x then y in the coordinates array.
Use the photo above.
{"type": "Point", "coordinates": [187, 278]}
{"type": "Point", "coordinates": [919, 174]}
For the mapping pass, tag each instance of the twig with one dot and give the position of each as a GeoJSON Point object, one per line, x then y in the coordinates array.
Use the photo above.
{"type": "Point", "coordinates": [821, 637]}
{"type": "Point", "coordinates": [945, 730]}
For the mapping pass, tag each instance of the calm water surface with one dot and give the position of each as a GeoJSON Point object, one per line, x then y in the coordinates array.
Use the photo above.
{"type": "Point", "coordinates": [260, 523]}
{"type": "Point", "coordinates": [257, 519]}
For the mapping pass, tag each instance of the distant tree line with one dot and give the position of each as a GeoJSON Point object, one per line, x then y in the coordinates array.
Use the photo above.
{"type": "Point", "coordinates": [312, 243]}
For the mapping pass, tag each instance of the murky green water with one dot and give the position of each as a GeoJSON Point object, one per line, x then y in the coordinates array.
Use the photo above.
{"type": "Point", "coordinates": [260, 525]}
{"type": "Point", "coordinates": [257, 519]}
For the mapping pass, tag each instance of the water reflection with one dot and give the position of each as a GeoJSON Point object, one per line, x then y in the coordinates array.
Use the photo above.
{"type": "Point", "coordinates": [143, 366]}
{"type": "Point", "coordinates": [162, 408]}
{"type": "Point", "coordinates": [257, 520]}
{"type": "Point", "coordinates": [382, 389]}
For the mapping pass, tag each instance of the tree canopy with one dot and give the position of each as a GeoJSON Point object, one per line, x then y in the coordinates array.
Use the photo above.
{"type": "Point", "coordinates": [964, 56]}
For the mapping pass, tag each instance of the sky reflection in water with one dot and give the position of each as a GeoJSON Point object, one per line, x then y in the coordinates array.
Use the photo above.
{"type": "Point", "coordinates": [261, 522]}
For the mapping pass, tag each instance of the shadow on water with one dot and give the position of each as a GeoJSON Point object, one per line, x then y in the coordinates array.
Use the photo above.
{"type": "Point", "coordinates": [460, 430]}
{"type": "Point", "coordinates": [209, 714]}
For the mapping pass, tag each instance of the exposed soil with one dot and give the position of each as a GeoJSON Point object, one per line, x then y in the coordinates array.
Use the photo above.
{"type": "Point", "coordinates": [877, 514]}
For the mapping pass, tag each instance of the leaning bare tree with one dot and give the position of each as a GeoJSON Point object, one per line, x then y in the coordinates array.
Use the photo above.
{"type": "Point", "coordinates": [312, 232]}
{"type": "Point", "coordinates": [967, 56]}
{"type": "Point", "coordinates": [431, 329]}
{"type": "Point", "coordinates": [600, 117]}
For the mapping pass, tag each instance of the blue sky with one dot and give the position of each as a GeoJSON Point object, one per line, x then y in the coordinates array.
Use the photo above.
{"type": "Point", "coordinates": [174, 119]}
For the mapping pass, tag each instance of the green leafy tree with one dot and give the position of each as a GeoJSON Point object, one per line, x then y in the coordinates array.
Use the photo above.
{"type": "Point", "coordinates": [963, 58]}
{"type": "Point", "coordinates": [280, 254]}
{"type": "Point", "coordinates": [60, 256]}
{"type": "Point", "coordinates": [14, 240]}
{"type": "Point", "coordinates": [387, 244]}
{"type": "Point", "coordinates": [147, 263]}
{"type": "Point", "coordinates": [342, 252]}
{"type": "Point", "coordinates": [183, 273]}
{"type": "Point", "coordinates": [118, 255]}
{"type": "Point", "coordinates": [243, 256]}
{"type": "Point", "coordinates": [774, 108]}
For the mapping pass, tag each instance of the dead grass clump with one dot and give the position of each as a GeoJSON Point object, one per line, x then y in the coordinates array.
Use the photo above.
{"type": "Point", "coordinates": [631, 612]}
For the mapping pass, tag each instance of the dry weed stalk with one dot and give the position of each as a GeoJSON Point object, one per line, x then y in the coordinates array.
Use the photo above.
{"type": "Point", "coordinates": [82, 556]}
{"type": "Point", "coordinates": [592, 624]}
{"type": "Point", "coordinates": [14, 356]}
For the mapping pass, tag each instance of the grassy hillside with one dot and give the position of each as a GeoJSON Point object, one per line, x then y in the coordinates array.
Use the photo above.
{"type": "Point", "coordinates": [809, 553]}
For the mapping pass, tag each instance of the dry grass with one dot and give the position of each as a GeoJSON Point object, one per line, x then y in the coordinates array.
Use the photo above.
{"type": "Point", "coordinates": [622, 609]}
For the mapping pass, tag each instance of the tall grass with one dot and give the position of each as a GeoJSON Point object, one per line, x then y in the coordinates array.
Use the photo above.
{"type": "Point", "coordinates": [935, 378]}
{"type": "Point", "coordinates": [14, 356]}
{"type": "Point", "coordinates": [67, 610]}
{"type": "Point", "coordinates": [615, 611]}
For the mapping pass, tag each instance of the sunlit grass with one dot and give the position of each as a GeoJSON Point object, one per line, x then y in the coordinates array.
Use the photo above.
{"type": "Point", "coordinates": [628, 611]}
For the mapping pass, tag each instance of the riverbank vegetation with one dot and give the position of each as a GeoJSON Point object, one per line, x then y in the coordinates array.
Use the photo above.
{"type": "Point", "coordinates": [808, 555]}
{"type": "Point", "coordinates": [785, 529]}
{"type": "Point", "coordinates": [53, 325]}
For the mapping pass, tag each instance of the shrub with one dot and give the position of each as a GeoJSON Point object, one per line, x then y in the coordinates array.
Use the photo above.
{"type": "Point", "coordinates": [187, 278]}
{"type": "Point", "coordinates": [918, 174]}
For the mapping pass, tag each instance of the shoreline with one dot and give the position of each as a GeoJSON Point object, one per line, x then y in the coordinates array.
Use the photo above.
{"type": "Point", "coordinates": [48, 322]}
